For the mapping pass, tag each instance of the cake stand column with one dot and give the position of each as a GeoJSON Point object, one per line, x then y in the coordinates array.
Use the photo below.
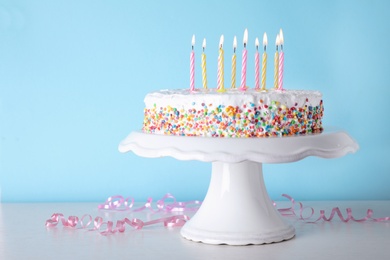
{"type": "Point", "coordinates": [237, 209]}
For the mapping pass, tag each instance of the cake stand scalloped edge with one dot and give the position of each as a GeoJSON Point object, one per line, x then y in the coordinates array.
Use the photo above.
{"type": "Point", "coordinates": [329, 144]}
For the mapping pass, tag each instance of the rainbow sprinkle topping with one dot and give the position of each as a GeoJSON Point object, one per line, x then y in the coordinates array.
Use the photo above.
{"type": "Point", "coordinates": [257, 118]}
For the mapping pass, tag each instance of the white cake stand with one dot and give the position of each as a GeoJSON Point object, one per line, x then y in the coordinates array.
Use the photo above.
{"type": "Point", "coordinates": [237, 209]}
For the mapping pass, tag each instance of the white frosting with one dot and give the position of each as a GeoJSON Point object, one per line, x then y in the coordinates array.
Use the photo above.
{"type": "Point", "coordinates": [181, 98]}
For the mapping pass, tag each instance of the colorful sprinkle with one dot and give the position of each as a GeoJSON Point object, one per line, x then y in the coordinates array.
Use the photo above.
{"type": "Point", "coordinates": [249, 121]}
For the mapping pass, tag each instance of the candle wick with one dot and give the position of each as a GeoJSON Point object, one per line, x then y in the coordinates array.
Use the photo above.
{"type": "Point", "coordinates": [234, 50]}
{"type": "Point", "coordinates": [192, 47]}
{"type": "Point", "coordinates": [203, 49]}
{"type": "Point", "coordinates": [244, 45]}
{"type": "Point", "coordinates": [257, 48]}
{"type": "Point", "coordinates": [281, 47]}
{"type": "Point", "coordinates": [276, 47]}
{"type": "Point", "coordinates": [265, 48]}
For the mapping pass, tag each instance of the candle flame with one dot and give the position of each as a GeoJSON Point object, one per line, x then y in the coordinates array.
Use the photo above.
{"type": "Point", "coordinates": [281, 38]}
{"type": "Point", "coordinates": [265, 40]}
{"type": "Point", "coordinates": [245, 40]}
{"type": "Point", "coordinates": [257, 42]}
{"type": "Point", "coordinates": [204, 44]}
{"type": "Point", "coordinates": [277, 42]}
{"type": "Point", "coordinates": [235, 43]}
{"type": "Point", "coordinates": [193, 40]}
{"type": "Point", "coordinates": [221, 41]}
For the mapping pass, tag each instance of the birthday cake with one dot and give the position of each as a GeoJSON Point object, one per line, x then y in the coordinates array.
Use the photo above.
{"type": "Point", "coordinates": [233, 113]}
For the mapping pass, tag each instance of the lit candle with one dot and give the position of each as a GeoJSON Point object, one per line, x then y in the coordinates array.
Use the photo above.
{"type": "Point", "coordinates": [243, 65]}
{"type": "Point", "coordinates": [192, 66]}
{"type": "Point", "coordinates": [204, 74]}
{"type": "Point", "coordinates": [281, 60]}
{"type": "Point", "coordinates": [276, 61]}
{"type": "Point", "coordinates": [257, 65]}
{"type": "Point", "coordinates": [220, 80]}
{"type": "Point", "coordinates": [234, 57]}
{"type": "Point", "coordinates": [264, 64]}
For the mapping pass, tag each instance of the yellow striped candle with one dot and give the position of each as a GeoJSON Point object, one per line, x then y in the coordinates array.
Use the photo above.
{"type": "Point", "coordinates": [220, 83]}
{"type": "Point", "coordinates": [276, 60]}
{"type": "Point", "coordinates": [234, 58]}
{"type": "Point", "coordinates": [264, 63]}
{"type": "Point", "coordinates": [204, 74]}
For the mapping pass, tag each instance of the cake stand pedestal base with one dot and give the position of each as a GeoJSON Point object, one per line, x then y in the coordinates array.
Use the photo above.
{"type": "Point", "coordinates": [237, 209]}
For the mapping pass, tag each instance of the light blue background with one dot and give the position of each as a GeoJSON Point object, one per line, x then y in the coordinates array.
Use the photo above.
{"type": "Point", "coordinates": [73, 75]}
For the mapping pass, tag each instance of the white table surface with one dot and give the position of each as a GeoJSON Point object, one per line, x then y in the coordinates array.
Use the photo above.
{"type": "Point", "coordinates": [23, 235]}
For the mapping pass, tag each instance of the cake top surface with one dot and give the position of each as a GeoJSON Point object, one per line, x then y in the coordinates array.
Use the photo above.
{"type": "Point", "coordinates": [229, 96]}
{"type": "Point", "coordinates": [237, 92]}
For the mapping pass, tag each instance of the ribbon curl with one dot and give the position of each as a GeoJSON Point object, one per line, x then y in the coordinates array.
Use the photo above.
{"type": "Point", "coordinates": [335, 211]}
{"type": "Point", "coordinates": [108, 227]}
{"type": "Point", "coordinates": [119, 203]}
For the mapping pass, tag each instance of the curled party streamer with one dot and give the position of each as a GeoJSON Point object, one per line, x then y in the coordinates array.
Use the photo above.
{"type": "Point", "coordinates": [108, 227]}
{"type": "Point", "coordinates": [119, 203]}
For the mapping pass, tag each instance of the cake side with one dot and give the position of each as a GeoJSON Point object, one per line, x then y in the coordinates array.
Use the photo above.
{"type": "Point", "coordinates": [233, 113]}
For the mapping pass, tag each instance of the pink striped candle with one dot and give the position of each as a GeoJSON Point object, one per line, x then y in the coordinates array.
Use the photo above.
{"type": "Point", "coordinates": [257, 66]}
{"type": "Point", "coordinates": [281, 61]}
{"type": "Point", "coordinates": [243, 86]}
{"type": "Point", "coordinates": [192, 66]}
{"type": "Point", "coordinates": [220, 75]}
{"type": "Point", "coordinates": [203, 64]}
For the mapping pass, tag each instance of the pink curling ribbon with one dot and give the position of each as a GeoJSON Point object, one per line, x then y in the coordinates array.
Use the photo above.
{"type": "Point", "coordinates": [335, 211]}
{"type": "Point", "coordinates": [108, 228]}
{"type": "Point", "coordinates": [119, 203]}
